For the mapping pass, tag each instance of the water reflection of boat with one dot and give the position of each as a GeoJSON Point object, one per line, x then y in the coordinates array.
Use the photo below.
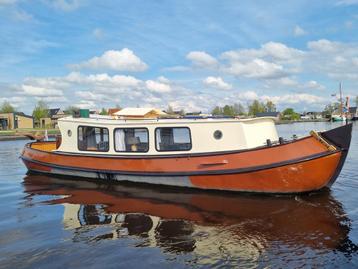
{"type": "Point", "coordinates": [188, 221]}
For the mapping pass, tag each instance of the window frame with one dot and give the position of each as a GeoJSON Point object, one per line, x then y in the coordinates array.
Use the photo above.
{"type": "Point", "coordinates": [180, 127]}
{"type": "Point", "coordinates": [78, 144]}
{"type": "Point", "coordinates": [114, 139]}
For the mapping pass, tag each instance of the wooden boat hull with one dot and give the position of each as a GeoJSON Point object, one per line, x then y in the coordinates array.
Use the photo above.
{"type": "Point", "coordinates": [298, 166]}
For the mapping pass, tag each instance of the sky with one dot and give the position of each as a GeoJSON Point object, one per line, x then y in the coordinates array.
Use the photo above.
{"type": "Point", "coordinates": [191, 55]}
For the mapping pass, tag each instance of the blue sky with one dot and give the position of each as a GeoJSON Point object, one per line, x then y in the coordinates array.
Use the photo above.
{"type": "Point", "coordinates": [192, 55]}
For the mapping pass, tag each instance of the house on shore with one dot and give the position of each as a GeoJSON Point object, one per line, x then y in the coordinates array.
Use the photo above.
{"type": "Point", "coordinates": [111, 111]}
{"type": "Point", "coordinates": [51, 121]}
{"type": "Point", "coordinates": [15, 120]}
{"type": "Point", "coordinates": [138, 113]}
{"type": "Point", "coordinates": [311, 116]}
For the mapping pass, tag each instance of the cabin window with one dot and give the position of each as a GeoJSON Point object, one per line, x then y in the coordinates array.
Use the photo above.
{"type": "Point", "coordinates": [218, 134]}
{"type": "Point", "coordinates": [93, 138]}
{"type": "Point", "coordinates": [173, 139]}
{"type": "Point", "coordinates": [131, 140]}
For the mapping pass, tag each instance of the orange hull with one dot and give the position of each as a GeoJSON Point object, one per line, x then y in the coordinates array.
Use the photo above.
{"type": "Point", "coordinates": [298, 166]}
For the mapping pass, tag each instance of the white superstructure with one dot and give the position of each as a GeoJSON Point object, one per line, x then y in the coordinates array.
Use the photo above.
{"type": "Point", "coordinates": [164, 136]}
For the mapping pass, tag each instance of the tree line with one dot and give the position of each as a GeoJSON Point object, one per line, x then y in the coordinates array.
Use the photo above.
{"type": "Point", "coordinates": [239, 110]}
{"type": "Point", "coordinates": [41, 109]}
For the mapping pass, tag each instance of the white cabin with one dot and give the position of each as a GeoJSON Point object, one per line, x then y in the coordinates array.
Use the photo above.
{"type": "Point", "coordinates": [163, 136]}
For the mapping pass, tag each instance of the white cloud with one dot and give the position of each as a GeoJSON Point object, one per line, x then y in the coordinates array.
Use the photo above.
{"type": "Point", "coordinates": [86, 104]}
{"type": "Point", "coordinates": [15, 101]}
{"type": "Point", "coordinates": [248, 96]}
{"type": "Point", "coordinates": [287, 82]}
{"type": "Point", "coordinates": [217, 83]}
{"type": "Point", "coordinates": [257, 68]}
{"type": "Point", "coordinates": [201, 59]}
{"type": "Point", "coordinates": [272, 61]}
{"type": "Point", "coordinates": [157, 86]}
{"type": "Point", "coordinates": [103, 80]}
{"type": "Point", "coordinates": [92, 96]}
{"type": "Point", "coordinates": [324, 45]}
{"type": "Point", "coordinates": [300, 98]}
{"type": "Point", "coordinates": [335, 59]}
{"type": "Point", "coordinates": [298, 31]}
{"type": "Point", "coordinates": [122, 60]}
{"type": "Point", "coordinates": [312, 84]}
{"type": "Point", "coordinates": [40, 91]}
{"type": "Point", "coordinates": [271, 51]}
{"type": "Point", "coordinates": [55, 100]}
{"type": "Point", "coordinates": [177, 68]}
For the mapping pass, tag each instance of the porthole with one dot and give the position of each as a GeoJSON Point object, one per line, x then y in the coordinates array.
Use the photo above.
{"type": "Point", "coordinates": [218, 134]}
{"type": "Point", "coordinates": [69, 132]}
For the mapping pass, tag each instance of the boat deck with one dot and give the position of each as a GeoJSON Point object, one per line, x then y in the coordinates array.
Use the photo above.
{"type": "Point", "coordinates": [44, 146]}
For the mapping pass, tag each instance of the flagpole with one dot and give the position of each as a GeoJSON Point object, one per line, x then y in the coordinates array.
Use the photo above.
{"type": "Point", "coordinates": [340, 98]}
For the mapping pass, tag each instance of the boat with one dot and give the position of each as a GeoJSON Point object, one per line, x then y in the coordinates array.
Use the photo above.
{"type": "Point", "coordinates": [338, 118]}
{"type": "Point", "coordinates": [207, 153]}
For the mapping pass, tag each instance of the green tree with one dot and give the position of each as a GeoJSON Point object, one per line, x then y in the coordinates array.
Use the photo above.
{"type": "Point", "coordinates": [256, 107]}
{"type": "Point", "coordinates": [103, 112]}
{"type": "Point", "coordinates": [270, 106]}
{"type": "Point", "coordinates": [239, 109]}
{"type": "Point", "coordinates": [290, 114]}
{"type": "Point", "coordinates": [356, 100]}
{"type": "Point", "coordinates": [40, 110]}
{"type": "Point", "coordinates": [70, 110]}
{"type": "Point", "coordinates": [329, 109]}
{"type": "Point", "coordinates": [6, 107]}
{"type": "Point", "coordinates": [228, 111]}
{"type": "Point", "coordinates": [170, 110]}
{"type": "Point", "coordinates": [217, 111]}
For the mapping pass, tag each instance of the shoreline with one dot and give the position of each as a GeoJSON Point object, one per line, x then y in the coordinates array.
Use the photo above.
{"type": "Point", "coordinates": [19, 137]}
{"type": "Point", "coordinates": [13, 137]}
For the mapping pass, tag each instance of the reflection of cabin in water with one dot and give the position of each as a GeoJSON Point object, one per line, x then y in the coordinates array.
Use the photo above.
{"type": "Point", "coordinates": [173, 235]}
{"type": "Point", "coordinates": [16, 120]}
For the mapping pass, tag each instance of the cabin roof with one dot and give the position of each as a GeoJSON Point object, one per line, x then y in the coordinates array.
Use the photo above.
{"type": "Point", "coordinates": [149, 121]}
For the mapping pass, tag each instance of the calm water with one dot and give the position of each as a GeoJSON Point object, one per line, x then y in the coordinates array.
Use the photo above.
{"type": "Point", "coordinates": [55, 223]}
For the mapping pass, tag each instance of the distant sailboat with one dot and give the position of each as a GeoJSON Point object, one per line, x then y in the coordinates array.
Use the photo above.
{"type": "Point", "coordinates": [340, 116]}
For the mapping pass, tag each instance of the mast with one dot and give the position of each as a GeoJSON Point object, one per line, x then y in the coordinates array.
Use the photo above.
{"type": "Point", "coordinates": [340, 98]}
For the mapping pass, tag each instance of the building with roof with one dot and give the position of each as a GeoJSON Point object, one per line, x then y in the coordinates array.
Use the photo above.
{"type": "Point", "coordinates": [136, 112]}
{"type": "Point", "coordinates": [15, 120]}
{"type": "Point", "coordinates": [51, 121]}
{"type": "Point", "coordinates": [111, 111]}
